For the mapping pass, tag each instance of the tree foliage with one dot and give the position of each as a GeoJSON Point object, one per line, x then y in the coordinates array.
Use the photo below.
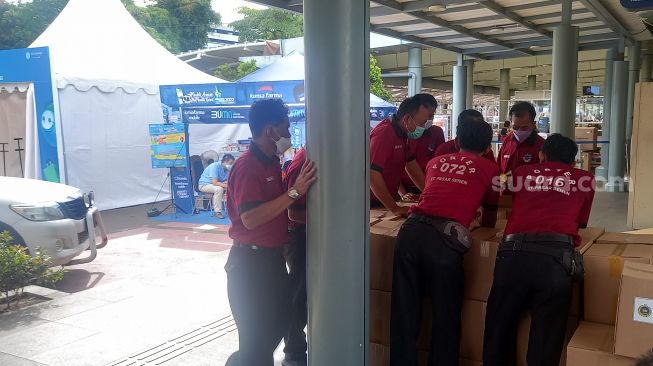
{"type": "Point", "coordinates": [178, 25]}
{"type": "Point", "coordinates": [22, 23]}
{"type": "Point", "coordinates": [268, 24]}
{"type": "Point", "coordinates": [376, 82]}
{"type": "Point", "coordinates": [235, 71]}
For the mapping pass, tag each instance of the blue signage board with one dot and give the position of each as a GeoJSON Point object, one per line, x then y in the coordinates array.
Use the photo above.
{"type": "Point", "coordinates": [228, 115]}
{"type": "Point", "coordinates": [168, 145]}
{"type": "Point", "coordinates": [182, 189]}
{"type": "Point", "coordinates": [637, 4]}
{"type": "Point", "coordinates": [32, 65]}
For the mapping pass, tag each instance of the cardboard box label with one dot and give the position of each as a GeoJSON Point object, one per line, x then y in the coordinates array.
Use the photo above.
{"type": "Point", "coordinates": [643, 311]}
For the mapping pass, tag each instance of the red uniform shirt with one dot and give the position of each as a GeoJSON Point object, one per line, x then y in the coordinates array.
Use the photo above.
{"type": "Point", "coordinates": [451, 147]}
{"type": "Point", "coordinates": [551, 198]}
{"type": "Point", "coordinates": [291, 176]}
{"type": "Point", "coordinates": [425, 147]}
{"type": "Point", "coordinates": [514, 154]}
{"type": "Point", "coordinates": [457, 185]}
{"type": "Point", "coordinates": [255, 179]}
{"type": "Point", "coordinates": [390, 150]}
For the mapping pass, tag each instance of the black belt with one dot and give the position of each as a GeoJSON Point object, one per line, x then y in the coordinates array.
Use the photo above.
{"type": "Point", "coordinates": [255, 247]}
{"type": "Point", "coordinates": [539, 237]}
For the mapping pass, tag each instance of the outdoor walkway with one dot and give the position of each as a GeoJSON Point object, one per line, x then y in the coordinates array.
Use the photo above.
{"type": "Point", "coordinates": [156, 295]}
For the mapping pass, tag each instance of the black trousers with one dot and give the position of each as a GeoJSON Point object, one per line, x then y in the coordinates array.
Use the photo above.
{"type": "Point", "coordinates": [527, 281]}
{"type": "Point", "coordinates": [257, 286]}
{"type": "Point", "coordinates": [295, 337]}
{"type": "Point", "coordinates": [425, 266]}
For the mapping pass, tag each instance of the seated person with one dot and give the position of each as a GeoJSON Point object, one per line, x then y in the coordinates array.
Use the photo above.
{"type": "Point", "coordinates": [214, 180]}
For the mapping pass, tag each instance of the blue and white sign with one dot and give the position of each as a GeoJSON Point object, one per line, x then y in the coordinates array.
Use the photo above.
{"type": "Point", "coordinates": [32, 65]}
{"type": "Point", "coordinates": [637, 4]}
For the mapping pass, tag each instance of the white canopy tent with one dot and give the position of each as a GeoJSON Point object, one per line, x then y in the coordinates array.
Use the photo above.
{"type": "Point", "coordinates": [108, 70]}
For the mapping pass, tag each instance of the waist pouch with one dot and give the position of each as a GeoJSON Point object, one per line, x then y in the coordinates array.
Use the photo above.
{"type": "Point", "coordinates": [564, 253]}
{"type": "Point", "coordinates": [456, 235]}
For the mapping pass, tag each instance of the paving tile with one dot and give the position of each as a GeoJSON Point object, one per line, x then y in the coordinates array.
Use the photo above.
{"type": "Point", "coordinates": [65, 306]}
{"type": "Point", "coordinates": [18, 321]}
{"type": "Point", "coordinates": [41, 338]}
{"type": "Point", "coordinates": [11, 360]}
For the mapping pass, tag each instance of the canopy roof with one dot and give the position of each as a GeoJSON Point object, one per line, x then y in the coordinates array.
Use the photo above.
{"type": "Point", "coordinates": [291, 67]}
{"type": "Point", "coordinates": [97, 43]}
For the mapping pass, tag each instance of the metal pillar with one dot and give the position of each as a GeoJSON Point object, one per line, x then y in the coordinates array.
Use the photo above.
{"type": "Point", "coordinates": [617, 127]}
{"type": "Point", "coordinates": [550, 86]}
{"type": "Point", "coordinates": [565, 75]}
{"type": "Point", "coordinates": [338, 245]}
{"type": "Point", "coordinates": [415, 67]}
{"type": "Point", "coordinates": [647, 57]}
{"type": "Point", "coordinates": [504, 93]}
{"type": "Point", "coordinates": [634, 52]}
{"type": "Point", "coordinates": [469, 90]}
{"type": "Point", "coordinates": [602, 171]}
{"type": "Point", "coordinates": [459, 93]}
{"type": "Point", "coordinates": [532, 82]}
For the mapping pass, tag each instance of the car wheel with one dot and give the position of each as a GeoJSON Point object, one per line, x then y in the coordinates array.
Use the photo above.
{"type": "Point", "coordinates": [17, 239]}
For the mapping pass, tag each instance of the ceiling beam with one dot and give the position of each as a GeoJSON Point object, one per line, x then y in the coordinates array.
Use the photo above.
{"type": "Point", "coordinates": [530, 6]}
{"type": "Point", "coordinates": [401, 23]}
{"type": "Point", "coordinates": [443, 23]}
{"type": "Point", "coordinates": [422, 41]}
{"type": "Point", "coordinates": [526, 23]}
{"type": "Point", "coordinates": [427, 31]}
{"type": "Point", "coordinates": [606, 16]}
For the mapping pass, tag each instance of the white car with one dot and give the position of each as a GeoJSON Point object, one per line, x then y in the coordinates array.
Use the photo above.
{"type": "Point", "coordinates": [58, 218]}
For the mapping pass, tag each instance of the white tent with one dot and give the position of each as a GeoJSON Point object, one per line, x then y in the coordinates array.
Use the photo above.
{"type": "Point", "coordinates": [108, 70]}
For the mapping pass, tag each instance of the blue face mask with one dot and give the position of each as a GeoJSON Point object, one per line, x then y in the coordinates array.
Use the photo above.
{"type": "Point", "coordinates": [419, 131]}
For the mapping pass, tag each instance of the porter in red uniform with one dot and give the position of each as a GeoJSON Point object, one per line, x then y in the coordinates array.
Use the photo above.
{"type": "Point", "coordinates": [295, 338]}
{"type": "Point", "coordinates": [257, 280]}
{"type": "Point", "coordinates": [522, 145]}
{"type": "Point", "coordinates": [537, 259]}
{"type": "Point", "coordinates": [392, 152]}
{"type": "Point", "coordinates": [452, 146]}
{"type": "Point", "coordinates": [430, 245]}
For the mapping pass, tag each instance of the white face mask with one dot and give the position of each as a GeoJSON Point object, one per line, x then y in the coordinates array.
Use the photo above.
{"type": "Point", "coordinates": [283, 144]}
{"type": "Point", "coordinates": [428, 124]}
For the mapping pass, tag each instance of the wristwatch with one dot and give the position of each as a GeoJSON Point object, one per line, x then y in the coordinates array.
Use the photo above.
{"type": "Point", "coordinates": [292, 193]}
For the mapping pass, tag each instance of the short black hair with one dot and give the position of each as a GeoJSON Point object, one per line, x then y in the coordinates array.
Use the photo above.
{"type": "Point", "coordinates": [560, 149]}
{"type": "Point", "coordinates": [645, 359]}
{"type": "Point", "coordinates": [474, 134]}
{"type": "Point", "coordinates": [266, 112]}
{"type": "Point", "coordinates": [409, 106]}
{"type": "Point", "coordinates": [427, 100]}
{"type": "Point", "coordinates": [523, 107]}
{"type": "Point", "coordinates": [227, 157]}
{"type": "Point", "coordinates": [469, 114]}
{"type": "Point", "coordinates": [506, 124]}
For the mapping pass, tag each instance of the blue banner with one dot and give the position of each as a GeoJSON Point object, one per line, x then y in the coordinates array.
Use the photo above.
{"type": "Point", "coordinates": [168, 145]}
{"type": "Point", "coordinates": [182, 189]}
{"type": "Point", "coordinates": [637, 4]}
{"type": "Point", "coordinates": [32, 65]}
{"type": "Point", "coordinates": [229, 115]}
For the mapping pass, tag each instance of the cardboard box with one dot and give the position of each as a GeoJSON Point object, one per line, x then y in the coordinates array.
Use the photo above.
{"type": "Point", "coordinates": [479, 263]}
{"type": "Point", "coordinates": [380, 304]}
{"type": "Point", "coordinates": [603, 266]}
{"type": "Point", "coordinates": [624, 238]}
{"type": "Point", "coordinates": [383, 235]}
{"type": "Point", "coordinates": [592, 345]}
{"type": "Point", "coordinates": [472, 329]}
{"type": "Point", "coordinates": [634, 330]}
{"type": "Point", "coordinates": [588, 136]}
{"type": "Point", "coordinates": [588, 237]}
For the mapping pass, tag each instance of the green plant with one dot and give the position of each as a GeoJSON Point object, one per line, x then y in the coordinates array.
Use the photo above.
{"type": "Point", "coordinates": [235, 71]}
{"type": "Point", "coordinates": [376, 81]}
{"type": "Point", "coordinates": [19, 269]}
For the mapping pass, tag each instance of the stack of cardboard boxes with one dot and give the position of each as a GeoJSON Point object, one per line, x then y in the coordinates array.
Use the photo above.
{"type": "Point", "coordinates": [479, 271]}
{"type": "Point", "coordinates": [590, 153]}
{"type": "Point", "coordinates": [618, 302]}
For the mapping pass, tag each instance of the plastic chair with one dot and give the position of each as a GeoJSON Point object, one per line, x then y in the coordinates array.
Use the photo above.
{"type": "Point", "coordinates": [202, 199]}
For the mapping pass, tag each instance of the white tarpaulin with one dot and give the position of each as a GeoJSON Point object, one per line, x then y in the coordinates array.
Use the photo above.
{"type": "Point", "coordinates": [13, 106]}
{"type": "Point", "coordinates": [108, 70]}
